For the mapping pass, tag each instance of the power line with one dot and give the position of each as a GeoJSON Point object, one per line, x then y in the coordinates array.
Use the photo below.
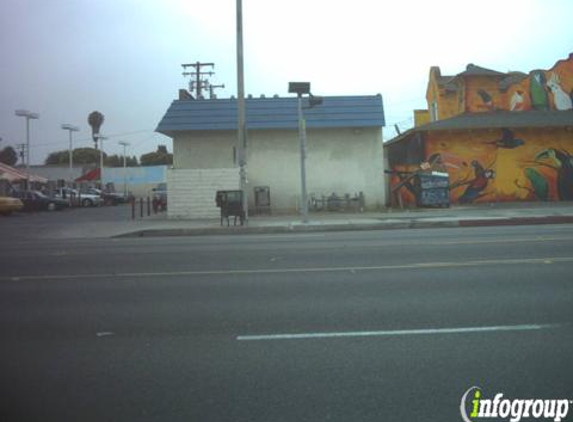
{"type": "Point", "coordinates": [113, 135]}
{"type": "Point", "coordinates": [197, 83]}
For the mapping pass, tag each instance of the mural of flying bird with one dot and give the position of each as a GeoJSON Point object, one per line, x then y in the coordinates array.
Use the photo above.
{"type": "Point", "coordinates": [478, 184]}
{"type": "Point", "coordinates": [507, 140]}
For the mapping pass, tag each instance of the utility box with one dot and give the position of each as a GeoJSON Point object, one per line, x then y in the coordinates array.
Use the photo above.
{"type": "Point", "coordinates": [262, 200]}
{"type": "Point", "coordinates": [433, 189]}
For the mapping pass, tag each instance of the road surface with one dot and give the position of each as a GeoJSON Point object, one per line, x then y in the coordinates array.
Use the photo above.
{"type": "Point", "coordinates": [354, 326]}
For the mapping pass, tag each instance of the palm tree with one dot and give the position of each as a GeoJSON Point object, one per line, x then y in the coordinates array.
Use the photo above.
{"type": "Point", "coordinates": [95, 120]}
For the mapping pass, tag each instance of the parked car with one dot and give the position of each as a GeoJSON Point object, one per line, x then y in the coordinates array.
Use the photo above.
{"type": "Point", "coordinates": [9, 205]}
{"type": "Point", "coordinates": [160, 197]}
{"type": "Point", "coordinates": [86, 199]}
{"type": "Point", "coordinates": [34, 200]}
{"type": "Point", "coordinates": [109, 198]}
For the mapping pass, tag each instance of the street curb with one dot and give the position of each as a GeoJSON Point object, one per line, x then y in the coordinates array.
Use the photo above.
{"type": "Point", "coordinates": [262, 230]}
{"type": "Point", "coordinates": [517, 221]}
{"type": "Point", "coordinates": [410, 224]}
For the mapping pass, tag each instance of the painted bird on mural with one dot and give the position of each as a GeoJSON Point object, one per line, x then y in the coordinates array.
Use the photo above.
{"type": "Point", "coordinates": [477, 184]}
{"type": "Point", "coordinates": [517, 101]}
{"type": "Point", "coordinates": [539, 184]}
{"type": "Point", "coordinates": [538, 91]}
{"type": "Point", "coordinates": [486, 99]}
{"type": "Point", "coordinates": [562, 162]}
{"type": "Point", "coordinates": [508, 140]}
{"type": "Point", "coordinates": [561, 99]}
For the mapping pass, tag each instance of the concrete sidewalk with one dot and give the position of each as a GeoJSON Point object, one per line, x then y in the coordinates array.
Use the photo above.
{"type": "Point", "coordinates": [456, 216]}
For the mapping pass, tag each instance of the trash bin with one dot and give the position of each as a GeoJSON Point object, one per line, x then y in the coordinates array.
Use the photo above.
{"type": "Point", "coordinates": [433, 189]}
{"type": "Point", "coordinates": [231, 204]}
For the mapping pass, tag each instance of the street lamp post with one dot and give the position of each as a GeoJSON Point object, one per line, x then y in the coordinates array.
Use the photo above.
{"type": "Point", "coordinates": [101, 138]}
{"type": "Point", "coordinates": [301, 88]}
{"type": "Point", "coordinates": [125, 145]}
{"type": "Point", "coordinates": [70, 129]}
{"type": "Point", "coordinates": [28, 115]}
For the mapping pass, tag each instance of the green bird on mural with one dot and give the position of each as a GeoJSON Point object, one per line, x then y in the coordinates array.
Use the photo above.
{"type": "Point", "coordinates": [562, 162]}
{"type": "Point", "coordinates": [539, 184]}
{"type": "Point", "coordinates": [538, 90]}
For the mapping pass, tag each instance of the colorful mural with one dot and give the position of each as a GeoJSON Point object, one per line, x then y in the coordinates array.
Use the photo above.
{"type": "Point", "coordinates": [493, 165]}
{"type": "Point", "coordinates": [503, 165]}
{"type": "Point", "coordinates": [483, 90]}
{"type": "Point", "coordinates": [520, 163]}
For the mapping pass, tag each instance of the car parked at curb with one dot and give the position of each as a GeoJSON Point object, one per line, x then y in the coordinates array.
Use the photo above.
{"type": "Point", "coordinates": [8, 205]}
{"type": "Point", "coordinates": [109, 198]}
{"type": "Point", "coordinates": [85, 199]}
{"type": "Point", "coordinates": [34, 200]}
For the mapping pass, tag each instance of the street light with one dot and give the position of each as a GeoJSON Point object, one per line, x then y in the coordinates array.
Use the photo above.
{"type": "Point", "coordinates": [124, 144]}
{"type": "Point", "coordinates": [301, 88]}
{"type": "Point", "coordinates": [28, 115]}
{"type": "Point", "coordinates": [101, 138]}
{"type": "Point", "coordinates": [70, 129]}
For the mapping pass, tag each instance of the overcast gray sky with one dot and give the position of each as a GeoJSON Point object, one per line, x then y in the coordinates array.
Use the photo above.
{"type": "Point", "coordinates": [66, 58]}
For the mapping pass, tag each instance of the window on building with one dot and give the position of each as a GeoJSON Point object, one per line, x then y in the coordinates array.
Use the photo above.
{"type": "Point", "coordinates": [434, 111]}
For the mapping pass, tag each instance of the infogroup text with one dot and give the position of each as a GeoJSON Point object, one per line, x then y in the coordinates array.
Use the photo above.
{"type": "Point", "coordinates": [514, 409]}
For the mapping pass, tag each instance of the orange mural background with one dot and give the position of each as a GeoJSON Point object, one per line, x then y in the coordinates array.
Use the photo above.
{"type": "Point", "coordinates": [532, 167]}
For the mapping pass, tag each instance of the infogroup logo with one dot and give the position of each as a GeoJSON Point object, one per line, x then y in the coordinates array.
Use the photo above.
{"type": "Point", "coordinates": [514, 409]}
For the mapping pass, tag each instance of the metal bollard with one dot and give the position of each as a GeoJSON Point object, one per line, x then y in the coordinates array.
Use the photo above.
{"type": "Point", "coordinates": [132, 208]}
{"type": "Point", "coordinates": [148, 207]}
{"type": "Point", "coordinates": [141, 207]}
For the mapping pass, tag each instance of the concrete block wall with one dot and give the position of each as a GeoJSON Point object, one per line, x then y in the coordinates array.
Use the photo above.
{"type": "Point", "coordinates": [191, 192]}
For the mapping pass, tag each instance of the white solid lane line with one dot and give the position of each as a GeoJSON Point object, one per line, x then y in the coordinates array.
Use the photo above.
{"type": "Point", "coordinates": [391, 333]}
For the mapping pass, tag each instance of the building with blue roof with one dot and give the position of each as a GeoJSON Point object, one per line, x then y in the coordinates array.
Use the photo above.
{"type": "Point", "coordinates": [344, 151]}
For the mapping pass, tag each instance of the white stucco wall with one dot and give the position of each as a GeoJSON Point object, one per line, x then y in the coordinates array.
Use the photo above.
{"type": "Point", "coordinates": [347, 160]}
{"type": "Point", "coordinates": [191, 192]}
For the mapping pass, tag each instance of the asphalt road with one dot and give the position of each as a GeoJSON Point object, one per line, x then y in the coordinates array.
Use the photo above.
{"type": "Point", "coordinates": [35, 225]}
{"type": "Point", "coordinates": [355, 326]}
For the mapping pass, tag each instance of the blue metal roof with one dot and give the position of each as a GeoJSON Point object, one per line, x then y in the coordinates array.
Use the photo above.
{"type": "Point", "coordinates": [272, 113]}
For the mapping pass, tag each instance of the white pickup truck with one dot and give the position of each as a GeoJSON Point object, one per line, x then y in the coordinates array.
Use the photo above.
{"type": "Point", "coordinates": [86, 199]}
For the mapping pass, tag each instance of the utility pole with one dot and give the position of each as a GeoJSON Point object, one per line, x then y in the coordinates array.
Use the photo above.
{"type": "Point", "coordinates": [241, 118]}
{"type": "Point", "coordinates": [101, 138]}
{"type": "Point", "coordinates": [71, 129]}
{"type": "Point", "coordinates": [197, 85]}
{"type": "Point", "coordinates": [125, 145]}
{"type": "Point", "coordinates": [27, 115]}
{"type": "Point", "coordinates": [21, 152]}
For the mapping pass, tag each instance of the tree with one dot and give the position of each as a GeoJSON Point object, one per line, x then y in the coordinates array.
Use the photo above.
{"type": "Point", "coordinates": [117, 161]}
{"type": "Point", "coordinates": [114, 161]}
{"type": "Point", "coordinates": [95, 120]}
{"type": "Point", "coordinates": [159, 157]}
{"type": "Point", "coordinates": [80, 156]}
{"type": "Point", "coordinates": [8, 156]}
